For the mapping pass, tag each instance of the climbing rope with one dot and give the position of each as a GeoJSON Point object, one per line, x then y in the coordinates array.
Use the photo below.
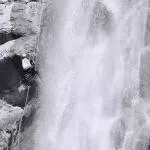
{"type": "Point", "coordinates": [20, 123]}
{"type": "Point", "coordinates": [36, 49]}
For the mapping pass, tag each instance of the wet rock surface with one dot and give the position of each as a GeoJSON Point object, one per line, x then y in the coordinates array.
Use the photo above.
{"type": "Point", "coordinates": [145, 62]}
{"type": "Point", "coordinates": [19, 32]}
{"type": "Point", "coordinates": [101, 21]}
{"type": "Point", "coordinates": [9, 123]}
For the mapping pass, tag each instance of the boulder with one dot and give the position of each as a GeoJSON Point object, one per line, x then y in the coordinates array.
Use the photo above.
{"type": "Point", "coordinates": [9, 122]}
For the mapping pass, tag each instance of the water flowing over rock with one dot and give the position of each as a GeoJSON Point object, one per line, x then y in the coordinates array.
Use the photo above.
{"type": "Point", "coordinates": [95, 73]}
{"type": "Point", "coordinates": [91, 59]}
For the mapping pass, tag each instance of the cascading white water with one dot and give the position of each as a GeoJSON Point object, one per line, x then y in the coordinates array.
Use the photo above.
{"type": "Point", "coordinates": [90, 90]}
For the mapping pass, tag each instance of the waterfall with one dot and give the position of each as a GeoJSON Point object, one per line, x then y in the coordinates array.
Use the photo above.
{"type": "Point", "coordinates": [90, 66]}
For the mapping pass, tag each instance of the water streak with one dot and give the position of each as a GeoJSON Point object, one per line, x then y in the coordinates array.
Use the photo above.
{"type": "Point", "coordinates": [91, 76]}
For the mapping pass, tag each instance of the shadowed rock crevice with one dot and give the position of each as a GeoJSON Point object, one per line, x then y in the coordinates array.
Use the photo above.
{"type": "Point", "coordinates": [15, 81]}
{"type": "Point", "coordinates": [9, 75]}
{"type": "Point", "coordinates": [5, 37]}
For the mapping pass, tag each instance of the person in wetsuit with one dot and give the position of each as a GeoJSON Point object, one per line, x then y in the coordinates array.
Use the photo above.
{"type": "Point", "coordinates": [27, 73]}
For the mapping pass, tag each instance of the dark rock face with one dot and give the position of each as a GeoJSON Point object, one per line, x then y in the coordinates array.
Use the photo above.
{"type": "Point", "coordinates": [18, 98]}
{"type": "Point", "coordinates": [145, 62]}
{"type": "Point", "coordinates": [21, 86]}
{"type": "Point", "coordinates": [9, 124]}
{"type": "Point", "coordinates": [20, 22]}
{"type": "Point", "coordinates": [9, 76]}
{"type": "Point", "coordinates": [145, 76]}
{"type": "Point", "coordinates": [5, 37]}
{"type": "Point", "coordinates": [12, 77]}
{"type": "Point", "coordinates": [101, 19]}
{"type": "Point", "coordinates": [147, 30]}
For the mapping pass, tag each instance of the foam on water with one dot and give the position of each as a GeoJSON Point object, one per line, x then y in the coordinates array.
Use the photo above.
{"type": "Point", "coordinates": [90, 91]}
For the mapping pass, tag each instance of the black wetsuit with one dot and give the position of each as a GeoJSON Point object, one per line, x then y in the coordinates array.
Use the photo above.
{"type": "Point", "coordinates": [27, 75]}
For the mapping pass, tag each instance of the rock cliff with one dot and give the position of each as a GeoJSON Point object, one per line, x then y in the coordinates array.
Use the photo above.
{"type": "Point", "coordinates": [20, 22]}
